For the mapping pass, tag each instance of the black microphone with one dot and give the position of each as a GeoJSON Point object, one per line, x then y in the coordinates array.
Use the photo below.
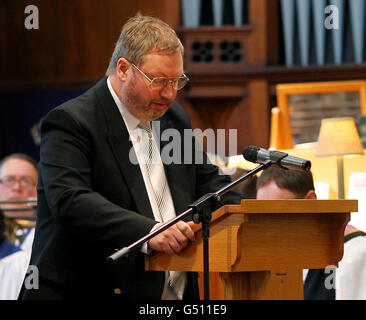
{"type": "Point", "coordinates": [259, 155]}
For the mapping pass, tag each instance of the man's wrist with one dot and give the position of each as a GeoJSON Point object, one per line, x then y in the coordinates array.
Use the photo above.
{"type": "Point", "coordinates": [145, 247]}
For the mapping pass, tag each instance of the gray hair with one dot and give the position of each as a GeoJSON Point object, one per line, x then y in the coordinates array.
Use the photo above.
{"type": "Point", "coordinates": [142, 35]}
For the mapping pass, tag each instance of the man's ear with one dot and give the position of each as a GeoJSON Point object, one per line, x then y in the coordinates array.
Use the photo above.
{"type": "Point", "coordinates": [311, 195]}
{"type": "Point", "coordinates": [122, 66]}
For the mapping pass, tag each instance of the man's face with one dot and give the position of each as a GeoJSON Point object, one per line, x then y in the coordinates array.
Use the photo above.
{"type": "Point", "coordinates": [24, 176]}
{"type": "Point", "coordinates": [271, 191]}
{"type": "Point", "coordinates": [143, 102]}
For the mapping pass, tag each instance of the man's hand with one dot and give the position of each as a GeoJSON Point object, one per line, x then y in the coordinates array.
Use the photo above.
{"type": "Point", "coordinates": [173, 239]}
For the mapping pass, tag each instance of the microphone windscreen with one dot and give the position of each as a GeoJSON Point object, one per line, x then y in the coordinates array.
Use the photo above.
{"type": "Point", "coordinates": [250, 153]}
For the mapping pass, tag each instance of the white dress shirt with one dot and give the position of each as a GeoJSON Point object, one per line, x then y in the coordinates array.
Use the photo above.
{"type": "Point", "coordinates": [13, 269]}
{"type": "Point", "coordinates": [351, 272]}
{"type": "Point", "coordinates": [135, 134]}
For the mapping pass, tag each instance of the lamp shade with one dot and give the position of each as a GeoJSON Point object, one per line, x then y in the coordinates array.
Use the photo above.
{"type": "Point", "coordinates": [338, 136]}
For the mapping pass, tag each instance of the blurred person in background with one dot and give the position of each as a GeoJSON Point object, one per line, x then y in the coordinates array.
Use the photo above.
{"type": "Point", "coordinates": [350, 276]}
{"type": "Point", "coordinates": [18, 182]}
{"type": "Point", "coordinates": [13, 265]}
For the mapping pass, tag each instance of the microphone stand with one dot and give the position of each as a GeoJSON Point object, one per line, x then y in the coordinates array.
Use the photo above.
{"type": "Point", "coordinates": [201, 210]}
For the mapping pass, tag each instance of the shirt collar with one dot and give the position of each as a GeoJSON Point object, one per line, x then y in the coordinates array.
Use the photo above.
{"type": "Point", "coordinates": [130, 120]}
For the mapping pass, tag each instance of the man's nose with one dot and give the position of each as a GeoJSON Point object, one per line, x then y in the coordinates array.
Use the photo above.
{"type": "Point", "coordinates": [16, 185]}
{"type": "Point", "coordinates": [168, 92]}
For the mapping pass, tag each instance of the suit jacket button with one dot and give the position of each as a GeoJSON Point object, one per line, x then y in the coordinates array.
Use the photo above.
{"type": "Point", "coordinates": [117, 291]}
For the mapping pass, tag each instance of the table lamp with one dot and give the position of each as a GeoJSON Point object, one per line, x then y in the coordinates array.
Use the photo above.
{"type": "Point", "coordinates": [338, 137]}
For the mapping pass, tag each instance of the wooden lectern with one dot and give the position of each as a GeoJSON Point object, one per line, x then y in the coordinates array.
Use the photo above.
{"type": "Point", "coordinates": [261, 246]}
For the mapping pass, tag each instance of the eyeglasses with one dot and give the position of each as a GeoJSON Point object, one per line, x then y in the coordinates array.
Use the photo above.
{"type": "Point", "coordinates": [161, 82]}
{"type": "Point", "coordinates": [25, 182]}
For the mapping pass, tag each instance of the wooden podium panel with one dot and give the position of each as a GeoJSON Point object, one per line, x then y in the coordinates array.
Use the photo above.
{"type": "Point", "coordinates": [261, 246]}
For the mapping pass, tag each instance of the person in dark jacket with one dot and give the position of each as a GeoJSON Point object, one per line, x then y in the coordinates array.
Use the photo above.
{"type": "Point", "coordinates": [96, 192]}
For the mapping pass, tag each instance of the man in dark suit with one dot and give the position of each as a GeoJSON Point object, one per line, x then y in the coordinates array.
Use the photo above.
{"type": "Point", "coordinates": [93, 198]}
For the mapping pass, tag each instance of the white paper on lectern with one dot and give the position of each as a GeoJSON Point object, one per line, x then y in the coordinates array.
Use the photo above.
{"type": "Point", "coordinates": [321, 190]}
{"type": "Point", "coordinates": [357, 190]}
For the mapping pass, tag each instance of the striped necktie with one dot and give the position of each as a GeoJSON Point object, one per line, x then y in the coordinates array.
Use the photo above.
{"type": "Point", "coordinates": [156, 173]}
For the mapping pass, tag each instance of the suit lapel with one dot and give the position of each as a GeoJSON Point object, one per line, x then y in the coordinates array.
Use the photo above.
{"type": "Point", "coordinates": [121, 146]}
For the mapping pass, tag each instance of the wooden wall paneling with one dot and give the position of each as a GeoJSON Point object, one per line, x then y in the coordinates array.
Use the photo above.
{"type": "Point", "coordinates": [272, 32]}
{"type": "Point", "coordinates": [216, 113]}
{"type": "Point", "coordinates": [264, 40]}
{"type": "Point", "coordinates": [259, 112]}
{"type": "Point", "coordinates": [221, 94]}
{"type": "Point", "coordinates": [11, 34]}
{"type": "Point", "coordinates": [217, 91]}
{"type": "Point", "coordinates": [75, 39]}
{"type": "Point", "coordinates": [216, 51]}
{"type": "Point", "coordinates": [167, 10]}
{"type": "Point", "coordinates": [247, 114]}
